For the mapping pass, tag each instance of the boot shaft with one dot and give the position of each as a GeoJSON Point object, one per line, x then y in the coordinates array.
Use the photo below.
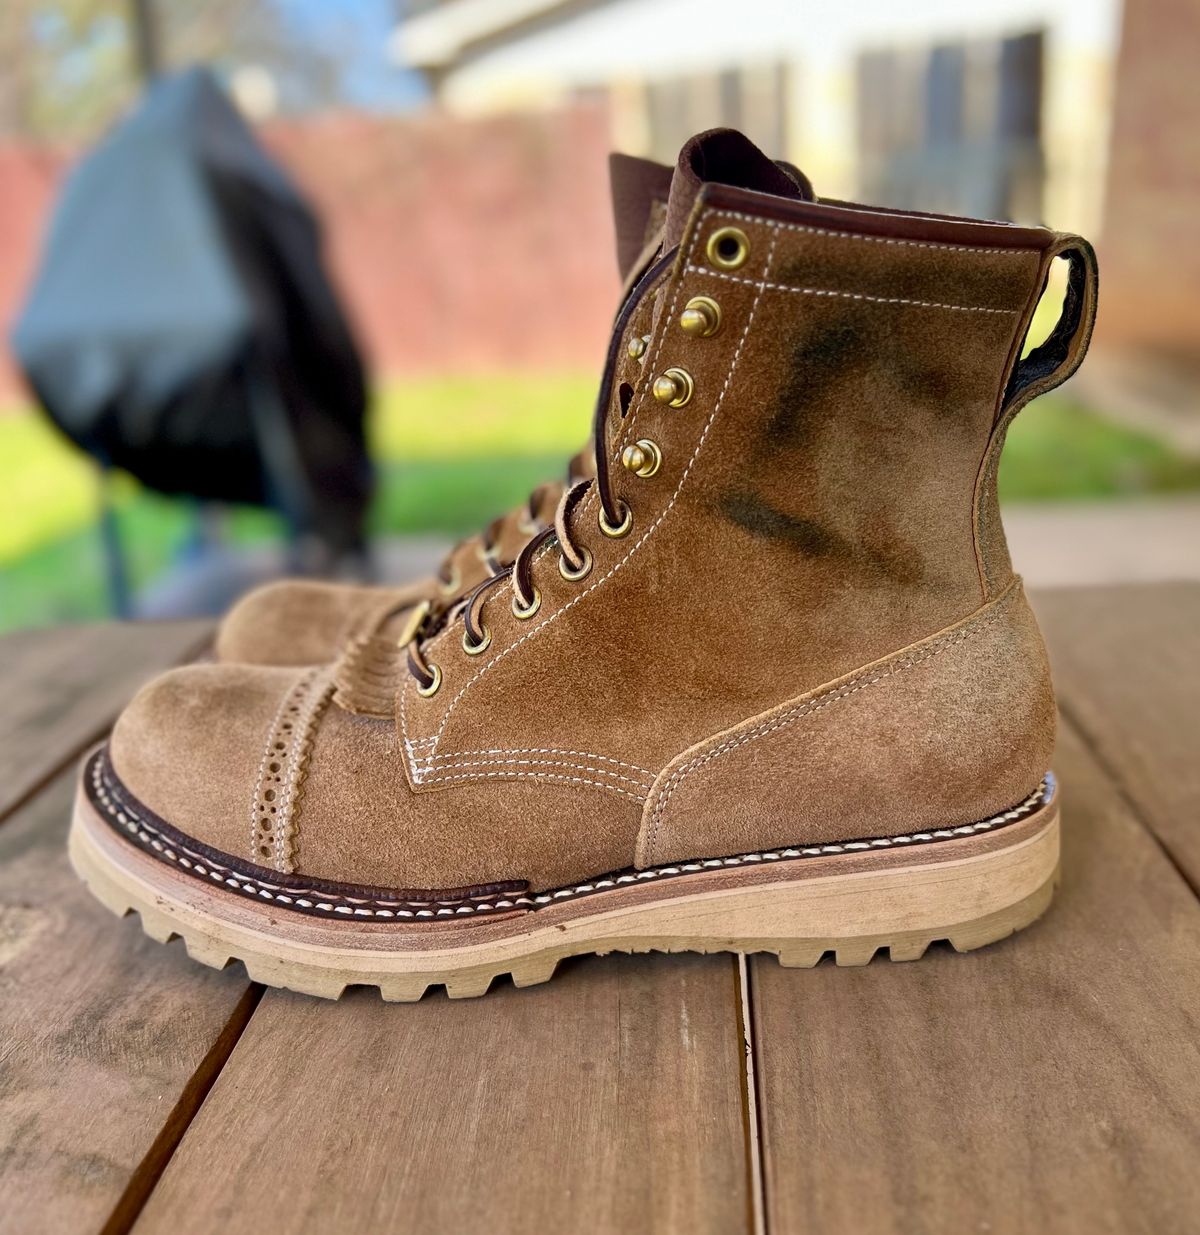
{"type": "Point", "coordinates": [794, 515]}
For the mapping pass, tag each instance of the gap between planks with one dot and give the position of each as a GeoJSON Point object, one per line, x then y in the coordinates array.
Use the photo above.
{"type": "Point", "coordinates": [1123, 790]}
{"type": "Point", "coordinates": [750, 1104]}
{"type": "Point", "coordinates": [149, 1171]}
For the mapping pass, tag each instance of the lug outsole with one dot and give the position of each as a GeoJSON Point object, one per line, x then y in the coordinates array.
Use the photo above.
{"type": "Point", "coordinates": [536, 970]}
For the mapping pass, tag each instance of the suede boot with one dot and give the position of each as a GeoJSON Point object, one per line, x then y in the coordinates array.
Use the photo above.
{"type": "Point", "coordinates": [767, 683]}
{"type": "Point", "coordinates": [306, 622]}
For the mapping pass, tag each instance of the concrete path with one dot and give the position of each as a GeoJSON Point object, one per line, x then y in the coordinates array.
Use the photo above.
{"type": "Point", "coordinates": [1070, 545]}
{"type": "Point", "coordinates": [1056, 545]}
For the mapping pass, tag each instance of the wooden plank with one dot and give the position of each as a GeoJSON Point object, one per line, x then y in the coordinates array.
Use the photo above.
{"type": "Point", "coordinates": [107, 1040]}
{"type": "Point", "coordinates": [608, 1100]}
{"type": "Point", "coordinates": [1127, 668]}
{"type": "Point", "coordinates": [1047, 1083]}
{"type": "Point", "coordinates": [63, 687]}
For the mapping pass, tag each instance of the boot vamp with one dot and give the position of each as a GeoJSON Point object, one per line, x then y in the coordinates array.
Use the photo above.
{"type": "Point", "coordinates": [261, 765]}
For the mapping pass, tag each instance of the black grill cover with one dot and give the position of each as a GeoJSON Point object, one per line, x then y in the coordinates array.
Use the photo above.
{"type": "Point", "coordinates": [181, 325]}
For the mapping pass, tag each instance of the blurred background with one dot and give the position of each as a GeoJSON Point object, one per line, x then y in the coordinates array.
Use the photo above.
{"type": "Point", "coordinates": [454, 152]}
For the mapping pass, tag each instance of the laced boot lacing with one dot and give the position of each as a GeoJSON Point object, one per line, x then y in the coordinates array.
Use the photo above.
{"type": "Point", "coordinates": [528, 523]}
{"type": "Point", "coordinates": [575, 561]}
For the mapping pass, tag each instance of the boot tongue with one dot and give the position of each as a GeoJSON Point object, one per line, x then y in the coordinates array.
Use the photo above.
{"type": "Point", "coordinates": [725, 156]}
{"type": "Point", "coordinates": [639, 199]}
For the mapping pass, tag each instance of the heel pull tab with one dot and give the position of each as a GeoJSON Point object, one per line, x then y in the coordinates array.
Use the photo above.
{"type": "Point", "coordinates": [1047, 366]}
{"type": "Point", "coordinates": [1062, 352]}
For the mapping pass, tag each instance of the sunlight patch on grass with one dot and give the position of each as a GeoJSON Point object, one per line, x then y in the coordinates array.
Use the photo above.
{"type": "Point", "coordinates": [47, 487]}
{"type": "Point", "coordinates": [500, 415]}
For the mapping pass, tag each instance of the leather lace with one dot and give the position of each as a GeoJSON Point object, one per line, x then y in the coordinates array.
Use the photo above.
{"type": "Point", "coordinates": [575, 557]}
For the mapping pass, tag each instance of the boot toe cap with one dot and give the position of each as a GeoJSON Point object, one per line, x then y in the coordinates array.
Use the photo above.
{"type": "Point", "coordinates": [190, 747]}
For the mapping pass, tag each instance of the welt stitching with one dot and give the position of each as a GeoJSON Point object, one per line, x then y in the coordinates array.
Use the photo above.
{"type": "Point", "coordinates": [816, 704]}
{"type": "Point", "coordinates": [256, 888]}
{"type": "Point", "coordinates": [649, 531]}
{"type": "Point", "coordinates": [826, 292]}
{"type": "Point", "coordinates": [430, 776]}
{"type": "Point", "coordinates": [535, 750]}
{"type": "Point", "coordinates": [907, 244]}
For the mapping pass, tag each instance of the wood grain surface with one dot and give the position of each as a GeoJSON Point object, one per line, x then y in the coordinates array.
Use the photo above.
{"type": "Point", "coordinates": [1127, 668]}
{"type": "Point", "coordinates": [608, 1100]}
{"type": "Point", "coordinates": [64, 687]}
{"type": "Point", "coordinates": [1047, 1083]}
{"type": "Point", "coordinates": [105, 1036]}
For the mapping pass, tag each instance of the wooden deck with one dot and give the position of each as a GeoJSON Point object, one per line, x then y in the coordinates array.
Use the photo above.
{"type": "Point", "coordinates": [1050, 1083]}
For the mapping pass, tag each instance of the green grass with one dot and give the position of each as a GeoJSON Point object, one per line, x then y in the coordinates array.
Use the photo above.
{"type": "Point", "coordinates": [1058, 451]}
{"type": "Point", "coordinates": [452, 454]}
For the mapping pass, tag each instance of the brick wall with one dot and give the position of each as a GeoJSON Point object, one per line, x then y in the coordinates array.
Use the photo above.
{"type": "Point", "coordinates": [1149, 258]}
{"type": "Point", "coordinates": [29, 177]}
{"type": "Point", "coordinates": [481, 245]}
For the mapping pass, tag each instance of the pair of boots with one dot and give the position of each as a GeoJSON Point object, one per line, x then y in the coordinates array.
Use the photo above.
{"type": "Point", "coordinates": [759, 677]}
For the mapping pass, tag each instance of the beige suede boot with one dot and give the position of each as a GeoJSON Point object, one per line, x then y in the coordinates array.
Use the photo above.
{"type": "Point", "coordinates": [306, 622]}
{"type": "Point", "coordinates": [767, 684]}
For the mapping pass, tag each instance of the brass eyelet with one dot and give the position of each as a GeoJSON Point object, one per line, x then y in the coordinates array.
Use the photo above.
{"type": "Point", "coordinates": [728, 248]}
{"type": "Point", "coordinates": [622, 528]}
{"type": "Point", "coordinates": [451, 586]}
{"type": "Point", "coordinates": [643, 458]}
{"type": "Point", "coordinates": [674, 387]}
{"type": "Point", "coordinates": [573, 576]}
{"type": "Point", "coordinates": [427, 692]}
{"type": "Point", "coordinates": [701, 317]}
{"type": "Point", "coordinates": [475, 649]}
{"type": "Point", "coordinates": [534, 605]}
{"type": "Point", "coordinates": [637, 347]}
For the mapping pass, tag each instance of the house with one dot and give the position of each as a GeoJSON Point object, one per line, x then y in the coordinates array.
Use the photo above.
{"type": "Point", "coordinates": [998, 107]}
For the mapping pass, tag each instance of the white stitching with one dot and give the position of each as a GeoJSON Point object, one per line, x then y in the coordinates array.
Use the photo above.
{"type": "Point", "coordinates": [535, 750]}
{"type": "Point", "coordinates": [585, 507]}
{"type": "Point", "coordinates": [836, 235]}
{"type": "Point", "coordinates": [647, 533]}
{"type": "Point", "coordinates": [431, 776]}
{"type": "Point", "coordinates": [305, 899]}
{"type": "Point", "coordinates": [819, 702]}
{"type": "Point", "coordinates": [575, 780]}
{"type": "Point", "coordinates": [818, 291]}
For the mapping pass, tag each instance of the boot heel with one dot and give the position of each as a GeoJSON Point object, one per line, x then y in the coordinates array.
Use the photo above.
{"type": "Point", "coordinates": [968, 901]}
